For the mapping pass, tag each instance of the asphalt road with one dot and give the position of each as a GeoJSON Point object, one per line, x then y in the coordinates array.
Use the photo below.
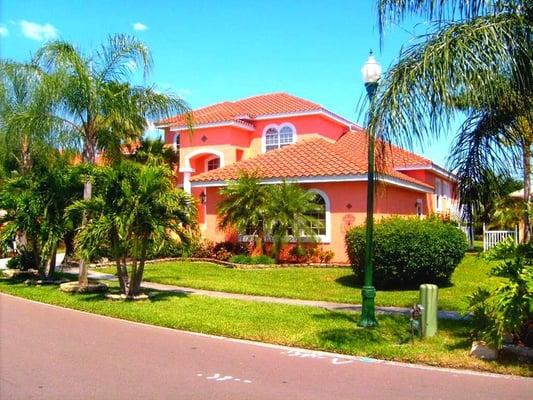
{"type": "Point", "coordinates": [54, 353]}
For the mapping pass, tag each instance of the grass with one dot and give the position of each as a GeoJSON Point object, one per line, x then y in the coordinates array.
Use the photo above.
{"type": "Point", "coordinates": [328, 284]}
{"type": "Point", "coordinates": [306, 327]}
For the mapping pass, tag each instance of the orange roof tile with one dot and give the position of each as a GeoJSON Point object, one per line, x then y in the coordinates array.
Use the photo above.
{"type": "Point", "coordinates": [314, 158]}
{"type": "Point", "coordinates": [248, 108]}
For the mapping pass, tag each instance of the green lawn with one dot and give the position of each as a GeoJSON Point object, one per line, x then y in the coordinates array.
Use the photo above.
{"type": "Point", "coordinates": [329, 284]}
{"type": "Point", "coordinates": [307, 327]}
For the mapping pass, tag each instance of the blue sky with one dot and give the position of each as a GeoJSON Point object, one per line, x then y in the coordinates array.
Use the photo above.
{"type": "Point", "coordinates": [209, 51]}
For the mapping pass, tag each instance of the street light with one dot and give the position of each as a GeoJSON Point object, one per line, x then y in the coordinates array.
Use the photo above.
{"type": "Point", "coordinates": [371, 74]}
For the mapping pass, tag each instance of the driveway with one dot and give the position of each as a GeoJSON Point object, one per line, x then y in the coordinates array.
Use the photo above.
{"type": "Point", "coordinates": [48, 352]}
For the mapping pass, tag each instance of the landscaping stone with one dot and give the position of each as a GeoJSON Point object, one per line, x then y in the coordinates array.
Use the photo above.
{"type": "Point", "coordinates": [123, 297]}
{"type": "Point", "coordinates": [227, 264]}
{"type": "Point", "coordinates": [17, 273]}
{"type": "Point", "coordinates": [92, 287]}
{"type": "Point", "coordinates": [42, 282]}
{"type": "Point", "coordinates": [522, 353]}
{"type": "Point", "coordinates": [483, 351]}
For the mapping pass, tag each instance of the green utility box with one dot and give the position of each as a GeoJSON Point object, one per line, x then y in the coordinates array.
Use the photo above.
{"type": "Point", "coordinates": [429, 301]}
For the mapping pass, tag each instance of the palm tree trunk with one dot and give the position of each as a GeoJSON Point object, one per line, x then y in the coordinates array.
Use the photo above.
{"type": "Point", "coordinates": [122, 274]}
{"type": "Point", "coordinates": [139, 273]}
{"type": "Point", "coordinates": [52, 264]}
{"type": "Point", "coordinates": [26, 158]}
{"type": "Point", "coordinates": [89, 156]}
{"type": "Point", "coordinates": [133, 274]}
{"type": "Point", "coordinates": [69, 247]}
{"type": "Point", "coordinates": [527, 190]}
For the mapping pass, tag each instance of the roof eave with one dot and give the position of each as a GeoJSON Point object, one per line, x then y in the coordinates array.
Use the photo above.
{"type": "Point", "coordinates": [324, 179]}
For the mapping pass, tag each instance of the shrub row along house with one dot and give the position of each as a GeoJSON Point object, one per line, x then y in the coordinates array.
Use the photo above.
{"type": "Point", "coordinates": [282, 137]}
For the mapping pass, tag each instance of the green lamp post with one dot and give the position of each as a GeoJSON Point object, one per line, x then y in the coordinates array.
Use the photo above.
{"type": "Point", "coordinates": [371, 74]}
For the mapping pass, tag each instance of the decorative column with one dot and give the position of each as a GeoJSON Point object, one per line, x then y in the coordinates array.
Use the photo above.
{"type": "Point", "coordinates": [187, 179]}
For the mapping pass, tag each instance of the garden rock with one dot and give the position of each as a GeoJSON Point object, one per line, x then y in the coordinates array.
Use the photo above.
{"type": "Point", "coordinates": [123, 297]}
{"type": "Point", "coordinates": [92, 287]}
{"type": "Point", "coordinates": [17, 273]}
{"type": "Point", "coordinates": [42, 282]}
{"type": "Point", "coordinates": [483, 351]}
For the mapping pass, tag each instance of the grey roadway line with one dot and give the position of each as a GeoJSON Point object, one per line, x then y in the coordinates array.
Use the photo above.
{"type": "Point", "coordinates": [333, 306]}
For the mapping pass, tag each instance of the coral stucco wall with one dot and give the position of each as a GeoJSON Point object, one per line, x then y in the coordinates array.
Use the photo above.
{"type": "Point", "coordinates": [347, 207]}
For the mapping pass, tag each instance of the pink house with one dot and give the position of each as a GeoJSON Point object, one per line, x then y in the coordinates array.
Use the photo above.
{"type": "Point", "coordinates": [283, 137]}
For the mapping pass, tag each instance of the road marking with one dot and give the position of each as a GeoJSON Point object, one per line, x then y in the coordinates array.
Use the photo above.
{"type": "Point", "coordinates": [217, 377]}
{"type": "Point", "coordinates": [307, 354]}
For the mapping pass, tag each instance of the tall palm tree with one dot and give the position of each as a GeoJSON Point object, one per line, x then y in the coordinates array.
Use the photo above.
{"type": "Point", "coordinates": [476, 61]}
{"type": "Point", "coordinates": [98, 106]}
{"type": "Point", "coordinates": [132, 212]}
{"type": "Point", "coordinates": [25, 101]}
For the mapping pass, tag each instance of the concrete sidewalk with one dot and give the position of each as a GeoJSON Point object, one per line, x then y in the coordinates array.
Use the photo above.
{"type": "Point", "coordinates": [265, 299]}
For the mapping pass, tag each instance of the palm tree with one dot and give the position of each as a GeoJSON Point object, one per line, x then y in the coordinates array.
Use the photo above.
{"type": "Point", "coordinates": [36, 204]}
{"type": "Point", "coordinates": [25, 101]}
{"type": "Point", "coordinates": [98, 106]}
{"type": "Point", "coordinates": [134, 210]}
{"type": "Point", "coordinates": [242, 207]}
{"type": "Point", "coordinates": [475, 61]}
{"type": "Point", "coordinates": [153, 150]}
{"type": "Point", "coordinates": [290, 215]}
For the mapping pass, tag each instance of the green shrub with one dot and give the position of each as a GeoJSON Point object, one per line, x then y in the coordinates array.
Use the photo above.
{"type": "Point", "coordinates": [13, 263]}
{"type": "Point", "coordinates": [408, 252]}
{"type": "Point", "coordinates": [169, 248]}
{"type": "Point", "coordinates": [506, 312]}
{"type": "Point", "coordinates": [244, 259]}
{"type": "Point", "coordinates": [240, 259]}
{"type": "Point", "coordinates": [262, 260]}
{"type": "Point", "coordinates": [503, 250]}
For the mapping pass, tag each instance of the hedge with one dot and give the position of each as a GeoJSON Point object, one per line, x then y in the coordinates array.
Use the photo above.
{"type": "Point", "coordinates": [408, 252]}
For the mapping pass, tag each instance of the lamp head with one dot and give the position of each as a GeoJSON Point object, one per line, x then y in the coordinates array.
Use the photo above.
{"type": "Point", "coordinates": [371, 70]}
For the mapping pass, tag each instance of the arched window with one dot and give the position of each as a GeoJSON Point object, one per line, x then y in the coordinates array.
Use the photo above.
{"type": "Point", "coordinates": [319, 224]}
{"type": "Point", "coordinates": [279, 136]}
{"type": "Point", "coordinates": [271, 139]}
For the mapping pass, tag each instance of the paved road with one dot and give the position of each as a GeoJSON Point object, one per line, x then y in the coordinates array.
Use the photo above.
{"type": "Point", "coordinates": [53, 353]}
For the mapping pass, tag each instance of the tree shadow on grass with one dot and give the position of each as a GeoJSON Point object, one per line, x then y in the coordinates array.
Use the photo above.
{"type": "Point", "coordinates": [162, 296]}
{"type": "Point", "coordinates": [354, 336]}
{"type": "Point", "coordinates": [155, 296]}
{"type": "Point", "coordinates": [351, 282]}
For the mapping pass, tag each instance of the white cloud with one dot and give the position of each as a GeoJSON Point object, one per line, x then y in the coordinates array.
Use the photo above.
{"type": "Point", "coordinates": [3, 30]}
{"type": "Point", "coordinates": [40, 32]}
{"type": "Point", "coordinates": [139, 26]}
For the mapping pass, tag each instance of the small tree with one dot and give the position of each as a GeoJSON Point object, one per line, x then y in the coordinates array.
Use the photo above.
{"type": "Point", "coordinates": [289, 215]}
{"type": "Point", "coordinates": [36, 204]}
{"type": "Point", "coordinates": [243, 207]}
{"type": "Point", "coordinates": [136, 208]}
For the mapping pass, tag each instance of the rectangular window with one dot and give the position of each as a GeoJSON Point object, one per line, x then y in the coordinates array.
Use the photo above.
{"type": "Point", "coordinates": [438, 195]}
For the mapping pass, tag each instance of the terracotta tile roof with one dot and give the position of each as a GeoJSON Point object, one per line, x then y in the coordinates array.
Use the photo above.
{"type": "Point", "coordinates": [312, 158]}
{"type": "Point", "coordinates": [248, 108]}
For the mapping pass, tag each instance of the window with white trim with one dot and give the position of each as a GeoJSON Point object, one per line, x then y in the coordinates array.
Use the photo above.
{"type": "Point", "coordinates": [318, 226]}
{"type": "Point", "coordinates": [276, 136]}
{"type": "Point", "coordinates": [438, 195]}
{"type": "Point", "coordinates": [213, 163]}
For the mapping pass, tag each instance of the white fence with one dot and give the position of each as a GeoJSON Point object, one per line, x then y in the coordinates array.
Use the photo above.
{"type": "Point", "coordinates": [492, 238]}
